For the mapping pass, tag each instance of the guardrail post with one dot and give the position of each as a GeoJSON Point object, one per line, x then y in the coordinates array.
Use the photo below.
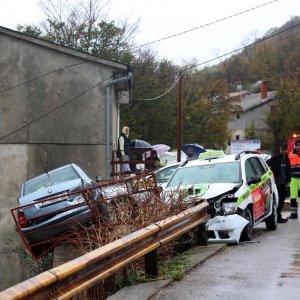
{"type": "Point", "coordinates": [151, 264]}
{"type": "Point", "coordinates": [201, 235]}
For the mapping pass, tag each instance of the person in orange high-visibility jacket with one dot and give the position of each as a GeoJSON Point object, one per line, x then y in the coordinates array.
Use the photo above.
{"type": "Point", "coordinates": [294, 157]}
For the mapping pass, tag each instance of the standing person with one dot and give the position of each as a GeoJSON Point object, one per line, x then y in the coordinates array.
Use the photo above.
{"type": "Point", "coordinates": [294, 157]}
{"type": "Point", "coordinates": [281, 168]}
{"type": "Point", "coordinates": [124, 149]}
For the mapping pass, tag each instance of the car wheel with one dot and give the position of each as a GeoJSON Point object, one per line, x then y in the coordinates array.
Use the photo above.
{"type": "Point", "coordinates": [247, 231]}
{"type": "Point", "coordinates": [272, 220]}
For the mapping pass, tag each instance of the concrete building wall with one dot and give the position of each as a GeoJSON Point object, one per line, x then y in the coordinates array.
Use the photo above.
{"type": "Point", "coordinates": [52, 112]}
{"type": "Point", "coordinates": [14, 165]}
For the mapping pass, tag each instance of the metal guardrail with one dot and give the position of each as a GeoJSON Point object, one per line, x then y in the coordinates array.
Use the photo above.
{"type": "Point", "coordinates": [77, 276]}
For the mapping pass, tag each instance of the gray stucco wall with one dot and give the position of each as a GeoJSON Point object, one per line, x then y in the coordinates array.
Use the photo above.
{"type": "Point", "coordinates": [14, 162]}
{"type": "Point", "coordinates": [53, 101]}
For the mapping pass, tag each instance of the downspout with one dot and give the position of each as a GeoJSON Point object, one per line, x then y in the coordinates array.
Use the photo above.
{"type": "Point", "coordinates": [108, 121]}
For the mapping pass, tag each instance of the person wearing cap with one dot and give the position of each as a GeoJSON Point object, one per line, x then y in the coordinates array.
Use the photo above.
{"type": "Point", "coordinates": [294, 157]}
{"type": "Point", "coordinates": [280, 166]}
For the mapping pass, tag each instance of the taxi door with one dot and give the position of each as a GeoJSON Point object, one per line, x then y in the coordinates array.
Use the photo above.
{"type": "Point", "coordinates": [260, 192]}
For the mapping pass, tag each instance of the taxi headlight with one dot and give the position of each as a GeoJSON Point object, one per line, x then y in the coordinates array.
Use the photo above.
{"type": "Point", "coordinates": [229, 208]}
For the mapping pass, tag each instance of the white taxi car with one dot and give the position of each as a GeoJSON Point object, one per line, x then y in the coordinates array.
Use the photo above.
{"type": "Point", "coordinates": [240, 189]}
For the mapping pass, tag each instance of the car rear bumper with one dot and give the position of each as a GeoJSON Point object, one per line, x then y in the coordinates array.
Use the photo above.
{"type": "Point", "coordinates": [57, 225]}
{"type": "Point", "coordinates": [226, 229]}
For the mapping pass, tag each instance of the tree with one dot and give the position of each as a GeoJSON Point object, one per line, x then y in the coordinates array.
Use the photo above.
{"type": "Point", "coordinates": [84, 26]}
{"type": "Point", "coordinates": [250, 131]}
{"type": "Point", "coordinates": [152, 120]}
{"type": "Point", "coordinates": [283, 119]}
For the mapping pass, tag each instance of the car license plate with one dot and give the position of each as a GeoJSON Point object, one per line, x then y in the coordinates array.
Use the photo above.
{"type": "Point", "coordinates": [52, 201]}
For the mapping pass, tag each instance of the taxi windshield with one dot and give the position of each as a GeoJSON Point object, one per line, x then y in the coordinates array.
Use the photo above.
{"type": "Point", "coordinates": [228, 172]}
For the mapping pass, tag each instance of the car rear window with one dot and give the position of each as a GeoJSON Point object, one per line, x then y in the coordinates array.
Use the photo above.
{"type": "Point", "coordinates": [52, 178]}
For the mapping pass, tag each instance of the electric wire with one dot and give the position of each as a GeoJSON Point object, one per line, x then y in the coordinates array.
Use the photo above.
{"type": "Point", "coordinates": [205, 25]}
{"type": "Point", "coordinates": [221, 56]}
{"type": "Point", "coordinates": [59, 71]}
{"type": "Point", "coordinates": [168, 37]}
{"type": "Point", "coordinates": [160, 96]}
{"type": "Point", "coordinates": [53, 110]}
{"type": "Point", "coordinates": [231, 52]}
{"type": "Point", "coordinates": [168, 75]}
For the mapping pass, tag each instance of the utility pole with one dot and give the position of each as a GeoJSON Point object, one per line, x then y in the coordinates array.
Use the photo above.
{"type": "Point", "coordinates": [179, 119]}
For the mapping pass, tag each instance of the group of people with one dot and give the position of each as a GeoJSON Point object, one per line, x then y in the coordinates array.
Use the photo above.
{"type": "Point", "coordinates": [125, 153]}
{"type": "Point", "coordinates": [286, 170]}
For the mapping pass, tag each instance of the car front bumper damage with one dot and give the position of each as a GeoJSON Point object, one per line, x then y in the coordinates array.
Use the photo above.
{"type": "Point", "coordinates": [226, 229]}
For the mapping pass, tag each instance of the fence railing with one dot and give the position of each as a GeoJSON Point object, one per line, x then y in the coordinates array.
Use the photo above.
{"type": "Point", "coordinates": [77, 276]}
{"type": "Point", "coordinates": [41, 238]}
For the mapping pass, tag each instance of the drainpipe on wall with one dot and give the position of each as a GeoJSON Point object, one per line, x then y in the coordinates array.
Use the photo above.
{"type": "Point", "coordinates": [108, 127]}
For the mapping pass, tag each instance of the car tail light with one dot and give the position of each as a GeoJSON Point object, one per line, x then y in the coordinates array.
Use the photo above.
{"type": "Point", "coordinates": [22, 219]}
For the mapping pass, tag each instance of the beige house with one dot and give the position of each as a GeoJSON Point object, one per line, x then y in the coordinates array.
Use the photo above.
{"type": "Point", "coordinates": [254, 109]}
{"type": "Point", "coordinates": [57, 105]}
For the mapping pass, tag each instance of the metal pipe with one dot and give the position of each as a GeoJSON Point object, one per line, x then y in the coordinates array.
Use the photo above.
{"type": "Point", "coordinates": [107, 121]}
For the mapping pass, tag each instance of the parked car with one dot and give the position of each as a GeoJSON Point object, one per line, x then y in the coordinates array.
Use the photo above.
{"type": "Point", "coordinates": [55, 201]}
{"type": "Point", "coordinates": [162, 175]}
{"type": "Point", "coordinates": [240, 189]}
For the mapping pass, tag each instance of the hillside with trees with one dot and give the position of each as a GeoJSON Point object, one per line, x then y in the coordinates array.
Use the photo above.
{"type": "Point", "coordinates": [206, 110]}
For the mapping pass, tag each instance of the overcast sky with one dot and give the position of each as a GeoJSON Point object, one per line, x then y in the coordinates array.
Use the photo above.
{"type": "Point", "coordinates": [162, 18]}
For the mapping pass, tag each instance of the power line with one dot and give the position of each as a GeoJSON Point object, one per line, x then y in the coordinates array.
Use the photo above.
{"type": "Point", "coordinates": [173, 73]}
{"type": "Point", "coordinates": [205, 25]}
{"type": "Point", "coordinates": [168, 37]}
{"type": "Point", "coordinates": [158, 97]}
{"type": "Point", "coordinates": [231, 52]}
{"type": "Point", "coordinates": [226, 54]}
{"type": "Point", "coordinates": [177, 34]}
{"type": "Point", "coordinates": [59, 71]}
{"type": "Point", "coordinates": [53, 110]}
{"type": "Point", "coordinates": [241, 48]}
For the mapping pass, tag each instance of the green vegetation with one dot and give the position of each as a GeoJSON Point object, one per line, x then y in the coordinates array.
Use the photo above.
{"type": "Point", "coordinates": [176, 267]}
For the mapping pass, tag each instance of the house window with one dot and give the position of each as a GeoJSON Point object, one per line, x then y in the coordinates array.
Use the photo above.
{"type": "Point", "coordinates": [237, 116]}
{"type": "Point", "coordinates": [237, 137]}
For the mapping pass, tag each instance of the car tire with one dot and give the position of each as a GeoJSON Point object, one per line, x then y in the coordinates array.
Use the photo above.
{"type": "Point", "coordinates": [272, 220]}
{"type": "Point", "coordinates": [246, 234]}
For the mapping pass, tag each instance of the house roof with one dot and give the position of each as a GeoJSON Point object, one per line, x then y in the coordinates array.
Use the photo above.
{"type": "Point", "coordinates": [249, 101]}
{"type": "Point", "coordinates": [63, 49]}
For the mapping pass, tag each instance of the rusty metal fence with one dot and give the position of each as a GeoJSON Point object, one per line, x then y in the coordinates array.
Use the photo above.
{"type": "Point", "coordinates": [74, 279]}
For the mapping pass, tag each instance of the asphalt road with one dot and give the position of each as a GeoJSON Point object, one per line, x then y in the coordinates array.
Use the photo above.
{"type": "Point", "coordinates": [266, 268]}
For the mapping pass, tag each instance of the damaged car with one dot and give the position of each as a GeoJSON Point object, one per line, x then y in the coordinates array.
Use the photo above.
{"type": "Point", "coordinates": [240, 189]}
{"type": "Point", "coordinates": [55, 201]}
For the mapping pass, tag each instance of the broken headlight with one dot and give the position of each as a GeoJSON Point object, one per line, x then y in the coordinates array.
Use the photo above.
{"type": "Point", "coordinates": [229, 208]}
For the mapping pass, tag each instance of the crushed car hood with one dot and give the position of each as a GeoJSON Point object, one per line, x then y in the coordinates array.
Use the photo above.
{"type": "Point", "coordinates": [206, 190]}
{"type": "Point", "coordinates": [212, 190]}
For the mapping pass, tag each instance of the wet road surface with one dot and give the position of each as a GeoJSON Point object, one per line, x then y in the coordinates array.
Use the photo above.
{"type": "Point", "coordinates": [267, 268]}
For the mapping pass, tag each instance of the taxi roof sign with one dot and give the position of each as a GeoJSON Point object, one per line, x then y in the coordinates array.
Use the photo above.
{"type": "Point", "coordinates": [210, 154]}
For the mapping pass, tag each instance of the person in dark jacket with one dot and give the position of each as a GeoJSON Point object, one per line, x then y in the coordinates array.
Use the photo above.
{"type": "Point", "coordinates": [281, 168]}
{"type": "Point", "coordinates": [294, 157]}
{"type": "Point", "coordinates": [152, 162]}
{"type": "Point", "coordinates": [124, 149]}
